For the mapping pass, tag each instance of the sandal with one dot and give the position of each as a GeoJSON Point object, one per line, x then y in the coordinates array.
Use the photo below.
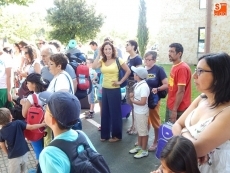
{"type": "Point", "coordinates": [103, 140]}
{"type": "Point", "coordinates": [89, 116]}
{"type": "Point", "coordinates": [132, 132]}
{"type": "Point", "coordinates": [129, 129]}
{"type": "Point", "coordinates": [87, 112]}
{"type": "Point", "coordinates": [152, 148]}
{"type": "Point", "coordinates": [114, 139]}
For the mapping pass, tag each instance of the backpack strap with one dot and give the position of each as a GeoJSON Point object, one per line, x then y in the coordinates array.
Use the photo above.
{"type": "Point", "coordinates": [118, 63]}
{"type": "Point", "coordinates": [35, 99]}
{"type": "Point", "coordinates": [69, 83]}
{"type": "Point", "coordinates": [70, 147]}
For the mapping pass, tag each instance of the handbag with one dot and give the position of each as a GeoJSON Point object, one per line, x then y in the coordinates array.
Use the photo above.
{"type": "Point", "coordinates": [121, 73]}
{"type": "Point", "coordinates": [15, 110]}
{"type": "Point", "coordinates": [23, 91]}
{"type": "Point", "coordinates": [162, 94]}
{"type": "Point", "coordinates": [153, 99]}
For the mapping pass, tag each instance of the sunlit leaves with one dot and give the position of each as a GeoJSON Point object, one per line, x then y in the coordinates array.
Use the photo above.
{"type": "Point", "coordinates": [18, 2]}
{"type": "Point", "coordinates": [74, 19]}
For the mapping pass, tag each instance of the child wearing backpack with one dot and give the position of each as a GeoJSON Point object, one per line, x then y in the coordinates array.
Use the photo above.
{"type": "Point", "coordinates": [141, 111]}
{"type": "Point", "coordinates": [12, 135]}
{"type": "Point", "coordinates": [36, 84]}
{"type": "Point", "coordinates": [62, 153]}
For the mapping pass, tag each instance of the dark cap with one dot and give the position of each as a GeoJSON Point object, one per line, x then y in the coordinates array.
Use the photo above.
{"type": "Point", "coordinates": [64, 107]}
{"type": "Point", "coordinates": [36, 78]}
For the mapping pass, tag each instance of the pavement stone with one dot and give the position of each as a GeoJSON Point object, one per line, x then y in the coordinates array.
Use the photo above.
{"type": "Point", "coordinates": [116, 154]}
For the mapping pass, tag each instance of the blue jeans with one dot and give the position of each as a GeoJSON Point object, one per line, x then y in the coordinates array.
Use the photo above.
{"type": "Point", "coordinates": [111, 118]}
{"type": "Point", "coordinates": [38, 147]}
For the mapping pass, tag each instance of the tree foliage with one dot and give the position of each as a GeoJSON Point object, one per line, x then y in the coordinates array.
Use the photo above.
{"type": "Point", "coordinates": [18, 2]}
{"type": "Point", "coordinates": [19, 23]}
{"type": "Point", "coordinates": [74, 19]}
{"type": "Point", "coordinates": [142, 31]}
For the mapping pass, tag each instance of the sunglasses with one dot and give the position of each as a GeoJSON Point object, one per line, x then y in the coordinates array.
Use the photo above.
{"type": "Point", "coordinates": [26, 52]}
{"type": "Point", "coordinates": [41, 43]}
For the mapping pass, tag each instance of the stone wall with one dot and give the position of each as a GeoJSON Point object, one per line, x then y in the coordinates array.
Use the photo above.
{"type": "Point", "coordinates": [220, 30]}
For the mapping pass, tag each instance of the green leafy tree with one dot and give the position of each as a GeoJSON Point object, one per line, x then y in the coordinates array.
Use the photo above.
{"type": "Point", "coordinates": [142, 31]}
{"type": "Point", "coordinates": [18, 2]}
{"type": "Point", "coordinates": [19, 23]}
{"type": "Point", "coordinates": [74, 19]}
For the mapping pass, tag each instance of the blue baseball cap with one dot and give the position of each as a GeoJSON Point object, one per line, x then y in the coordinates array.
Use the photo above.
{"type": "Point", "coordinates": [64, 107]}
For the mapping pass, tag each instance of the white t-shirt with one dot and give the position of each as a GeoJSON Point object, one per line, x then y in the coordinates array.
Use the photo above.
{"type": "Point", "coordinates": [17, 61]}
{"type": "Point", "coordinates": [31, 69]}
{"type": "Point", "coordinates": [5, 62]}
{"type": "Point", "coordinates": [141, 90]}
{"type": "Point", "coordinates": [61, 82]}
{"type": "Point", "coordinates": [31, 100]}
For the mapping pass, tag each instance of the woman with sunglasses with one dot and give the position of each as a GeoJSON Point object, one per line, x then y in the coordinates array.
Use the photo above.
{"type": "Point", "coordinates": [31, 55]}
{"type": "Point", "coordinates": [206, 121]}
{"type": "Point", "coordinates": [32, 65]}
{"type": "Point", "coordinates": [135, 60]}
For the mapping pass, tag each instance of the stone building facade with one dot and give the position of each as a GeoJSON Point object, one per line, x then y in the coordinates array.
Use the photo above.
{"type": "Point", "coordinates": [195, 25]}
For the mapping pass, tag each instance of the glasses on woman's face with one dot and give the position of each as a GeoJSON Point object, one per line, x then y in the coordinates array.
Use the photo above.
{"type": "Point", "coordinates": [146, 59]}
{"type": "Point", "coordinates": [198, 71]}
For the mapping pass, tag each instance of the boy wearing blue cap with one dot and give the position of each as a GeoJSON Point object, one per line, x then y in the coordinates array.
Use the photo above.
{"type": "Point", "coordinates": [62, 113]}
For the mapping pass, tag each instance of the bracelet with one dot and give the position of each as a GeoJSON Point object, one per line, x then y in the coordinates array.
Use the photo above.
{"type": "Point", "coordinates": [158, 89]}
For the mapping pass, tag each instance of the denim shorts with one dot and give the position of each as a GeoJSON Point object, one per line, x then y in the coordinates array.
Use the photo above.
{"type": "Point", "coordinates": [91, 96]}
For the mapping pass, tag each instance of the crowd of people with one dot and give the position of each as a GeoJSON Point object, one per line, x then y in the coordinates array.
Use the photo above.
{"type": "Point", "coordinates": [44, 70]}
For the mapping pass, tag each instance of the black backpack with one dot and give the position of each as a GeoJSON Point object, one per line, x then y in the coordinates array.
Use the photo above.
{"type": "Point", "coordinates": [162, 94]}
{"type": "Point", "coordinates": [87, 161]}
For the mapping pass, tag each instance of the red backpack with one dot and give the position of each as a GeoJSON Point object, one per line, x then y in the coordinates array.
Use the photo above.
{"type": "Point", "coordinates": [84, 84]}
{"type": "Point", "coordinates": [35, 115]}
{"type": "Point", "coordinates": [82, 73]}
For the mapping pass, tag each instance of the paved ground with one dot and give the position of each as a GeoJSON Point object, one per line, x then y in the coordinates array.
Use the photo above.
{"type": "Point", "coordinates": [116, 154]}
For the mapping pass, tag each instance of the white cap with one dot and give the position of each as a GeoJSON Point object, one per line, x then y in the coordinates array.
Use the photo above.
{"type": "Point", "coordinates": [140, 71]}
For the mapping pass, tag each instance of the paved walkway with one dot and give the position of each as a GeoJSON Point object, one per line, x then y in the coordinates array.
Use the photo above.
{"type": "Point", "coordinates": [4, 160]}
{"type": "Point", "coordinates": [116, 154]}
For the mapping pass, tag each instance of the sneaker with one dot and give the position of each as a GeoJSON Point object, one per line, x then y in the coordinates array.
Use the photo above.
{"type": "Point", "coordinates": [135, 150]}
{"type": "Point", "coordinates": [141, 153]}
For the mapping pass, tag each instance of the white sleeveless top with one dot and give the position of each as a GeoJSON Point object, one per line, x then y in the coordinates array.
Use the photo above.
{"type": "Point", "coordinates": [219, 158]}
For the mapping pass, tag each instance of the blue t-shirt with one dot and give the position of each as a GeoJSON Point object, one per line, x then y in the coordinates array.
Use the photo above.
{"type": "Point", "coordinates": [155, 75]}
{"type": "Point", "coordinates": [13, 134]}
{"type": "Point", "coordinates": [98, 70]}
{"type": "Point", "coordinates": [53, 159]}
{"type": "Point", "coordinates": [136, 61]}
